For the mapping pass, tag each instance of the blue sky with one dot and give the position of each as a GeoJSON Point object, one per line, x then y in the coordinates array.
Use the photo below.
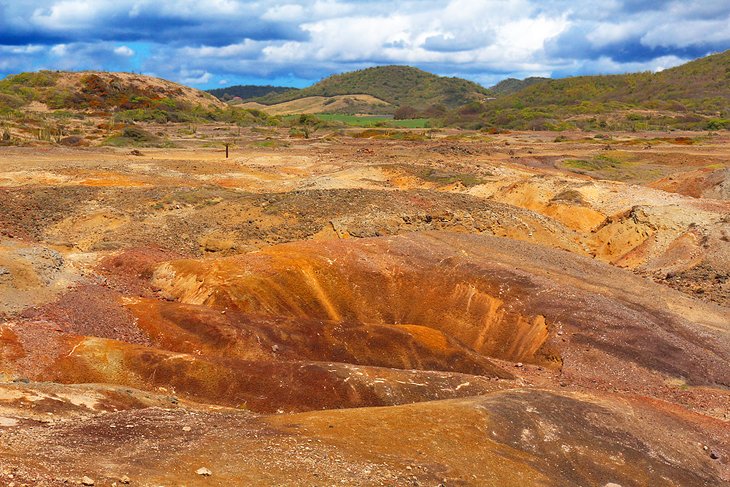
{"type": "Point", "coordinates": [213, 43]}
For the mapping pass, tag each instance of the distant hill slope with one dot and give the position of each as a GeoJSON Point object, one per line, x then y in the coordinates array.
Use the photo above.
{"type": "Point", "coordinates": [513, 85]}
{"type": "Point", "coordinates": [700, 84]}
{"type": "Point", "coordinates": [100, 91]}
{"type": "Point", "coordinates": [320, 104]}
{"type": "Point", "coordinates": [397, 85]}
{"type": "Point", "coordinates": [247, 91]}
{"type": "Point", "coordinates": [695, 95]}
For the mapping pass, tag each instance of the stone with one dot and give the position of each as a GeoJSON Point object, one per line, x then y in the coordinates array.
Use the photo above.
{"type": "Point", "coordinates": [87, 481]}
{"type": "Point", "coordinates": [204, 472]}
{"type": "Point", "coordinates": [125, 480]}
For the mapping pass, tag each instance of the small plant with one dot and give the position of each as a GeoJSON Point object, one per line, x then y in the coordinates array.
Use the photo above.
{"type": "Point", "coordinates": [569, 196]}
{"type": "Point", "coordinates": [134, 136]}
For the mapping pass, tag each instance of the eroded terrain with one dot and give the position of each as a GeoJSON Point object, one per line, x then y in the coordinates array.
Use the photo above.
{"type": "Point", "coordinates": [367, 308]}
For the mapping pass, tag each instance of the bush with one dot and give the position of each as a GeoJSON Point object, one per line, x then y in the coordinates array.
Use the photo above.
{"type": "Point", "coordinates": [136, 137]}
{"type": "Point", "coordinates": [718, 124]}
{"type": "Point", "coordinates": [405, 113]}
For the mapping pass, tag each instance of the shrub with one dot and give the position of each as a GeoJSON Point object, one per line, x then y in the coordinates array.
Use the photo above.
{"type": "Point", "coordinates": [405, 113]}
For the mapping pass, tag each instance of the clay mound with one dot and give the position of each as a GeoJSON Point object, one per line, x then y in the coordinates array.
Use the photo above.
{"type": "Point", "coordinates": [256, 385]}
{"type": "Point", "coordinates": [501, 298]}
{"type": "Point", "coordinates": [533, 437]}
{"type": "Point", "coordinates": [209, 332]}
{"type": "Point", "coordinates": [508, 438]}
{"type": "Point", "coordinates": [30, 275]}
{"type": "Point", "coordinates": [700, 183]}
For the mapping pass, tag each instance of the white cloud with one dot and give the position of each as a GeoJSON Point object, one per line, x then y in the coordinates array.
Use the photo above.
{"type": "Point", "coordinates": [195, 77]}
{"type": "Point", "coordinates": [59, 50]}
{"type": "Point", "coordinates": [25, 50]}
{"type": "Point", "coordinates": [246, 48]}
{"type": "Point", "coordinates": [124, 51]}
{"type": "Point", "coordinates": [605, 65]}
{"type": "Point", "coordinates": [687, 33]}
{"type": "Point", "coordinates": [611, 33]}
{"type": "Point", "coordinates": [286, 13]}
{"type": "Point", "coordinates": [67, 14]}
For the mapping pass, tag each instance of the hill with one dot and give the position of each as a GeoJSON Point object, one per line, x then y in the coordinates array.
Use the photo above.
{"type": "Point", "coordinates": [36, 100]}
{"type": "Point", "coordinates": [513, 85]}
{"type": "Point", "coordinates": [100, 91]}
{"type": "Point", "coordinates": [321, 104]}
{"type": "Point", "coordinates": [695, 95]}
{"type": "Point", "coordinates": [246, 92]}
{"type": "Point", "coordinates": [398, 85]}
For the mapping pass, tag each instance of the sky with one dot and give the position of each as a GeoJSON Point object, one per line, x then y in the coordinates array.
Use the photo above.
{"type": "Point", "coordinates": [215, 43]}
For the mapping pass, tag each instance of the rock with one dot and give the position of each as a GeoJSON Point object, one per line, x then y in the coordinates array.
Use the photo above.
{"type": "Point", "coordinates": [519, 364]}
{"type": "Point", "coordinates": [125, 480]}
{"type": "Point", "coordinates": [87, 481]}
{"type": "Point", "coordinates": [186, 428]}
{"type": "Point", "coordinates": [714, 455]}
{"type": "Point", "coordinates": [204, 472]}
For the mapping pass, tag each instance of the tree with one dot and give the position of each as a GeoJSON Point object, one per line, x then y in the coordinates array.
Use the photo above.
{"type": "Point", "coordinates": [309, 124]}
{"type": "Point", "coordinates": [405, 112]}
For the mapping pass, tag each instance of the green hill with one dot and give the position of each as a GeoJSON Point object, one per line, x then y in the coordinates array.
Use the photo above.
{"type": "Point", "coordinates": [701, 84]}
{"type": "Point", "coordinates": [513, 85]}
{"type": "Point", "coordinates": [695, 95]}
{"type": "Point", "coordinates": [398, 85]}
{"type": "Point", "coordinates": [247, 92]}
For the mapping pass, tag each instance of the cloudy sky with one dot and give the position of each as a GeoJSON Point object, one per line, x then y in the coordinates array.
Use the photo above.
{"type": "Point", "coordinates": [211, 43]}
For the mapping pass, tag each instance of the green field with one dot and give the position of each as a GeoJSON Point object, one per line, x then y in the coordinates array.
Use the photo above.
{"type": "Point", "coordinates": [369, 120]}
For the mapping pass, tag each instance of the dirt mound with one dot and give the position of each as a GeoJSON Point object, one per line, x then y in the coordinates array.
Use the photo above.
{"type": "Point", "coordinates": [509, 438]}
{"type": "Point", "coordinates": [211, 332]}
{"type": "Point", "coordinates": [501, 298]}
{"type": "Point", "coordinates": [256, 385]}
{"type": "Point", "coordinates": [700, 183]}
{"type": "Point", "coordinates": [90, 310]}
{"type": "Point", "coordinates": [30, 275]}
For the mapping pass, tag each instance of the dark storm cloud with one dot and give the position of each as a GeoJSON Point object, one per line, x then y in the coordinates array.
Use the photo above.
{"type": "Point", "coordinates": [44, 22]}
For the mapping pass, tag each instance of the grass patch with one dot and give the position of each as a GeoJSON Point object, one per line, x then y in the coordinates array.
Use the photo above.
{"type": "Point", "coordinates": [390, 135]}
{"type": "Point", "coordinates": [270, 143]}
{"type": "Point", "coordinates": [136, 137]}
{"type": "Point", "coordinates": [569, 196]}
{"type": "Point", "coordinates": [598, 163]}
